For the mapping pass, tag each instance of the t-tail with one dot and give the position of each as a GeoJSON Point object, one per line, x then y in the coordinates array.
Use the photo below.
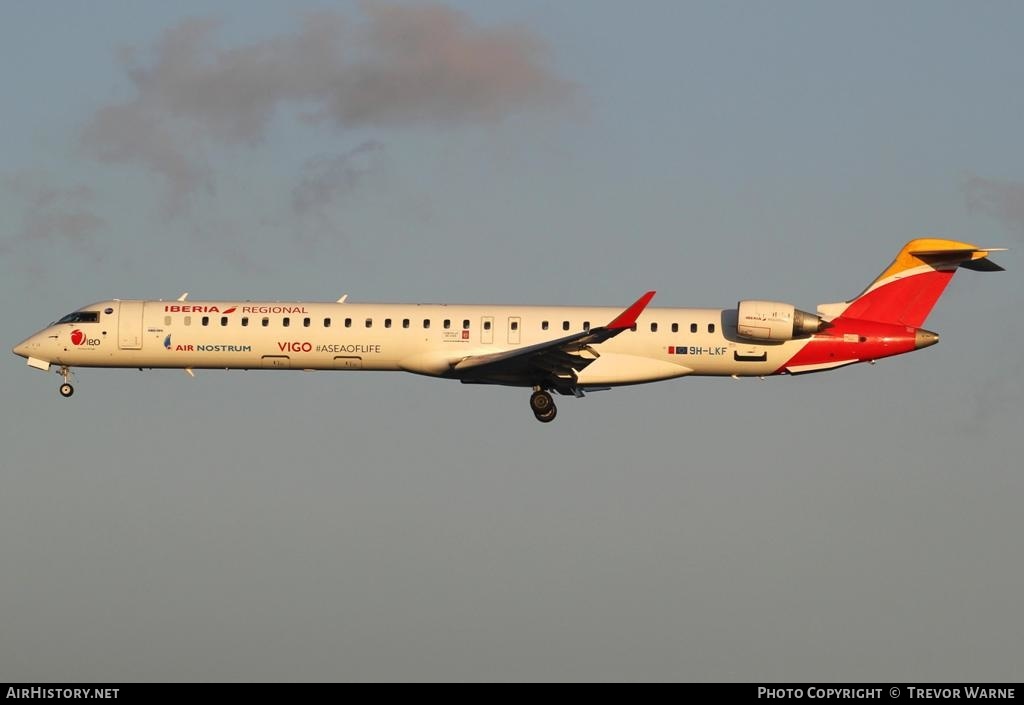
{"type": "Point", "coordinates": [907, 290]}
{"type": "Point", "coordinates": [886, 319]}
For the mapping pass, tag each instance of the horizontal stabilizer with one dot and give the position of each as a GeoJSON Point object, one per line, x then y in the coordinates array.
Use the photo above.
{"type": "Point", "coordinates": [982, 265]}
{"type": "Point", "coordinates": [957, 250]}
{"type": "Point", "coordinates": [967, 256]}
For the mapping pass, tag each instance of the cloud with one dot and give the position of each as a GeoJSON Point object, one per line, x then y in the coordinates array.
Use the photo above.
{"type": "Point", "coordinates": [327, 180]}
{"type": "Point", "coordinates": [390, 66]}
{"type": "Point", "coordinates": [431, 64]}
{"type": "Point", "coordinates": [53, 214]}
{"type": "Point", "coordinates": [1002, 199]}
{"type": "Point", "coordinates": [994, 397]}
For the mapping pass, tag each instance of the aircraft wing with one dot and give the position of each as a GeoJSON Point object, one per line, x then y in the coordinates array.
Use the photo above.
{"type": "Point", "coordinates": [557, 361]}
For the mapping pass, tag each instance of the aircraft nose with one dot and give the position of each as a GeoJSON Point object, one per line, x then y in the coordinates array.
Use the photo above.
{"type": "Point", "coordinates": [29, 347]}
{"type": "Point", "coordinates": [21, 349]}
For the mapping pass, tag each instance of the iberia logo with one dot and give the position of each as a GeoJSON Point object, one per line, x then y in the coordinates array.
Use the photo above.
{"type": "Point", "coordinates": [77, 337]}
{"type": "Point", "coordinates": [189, 308]}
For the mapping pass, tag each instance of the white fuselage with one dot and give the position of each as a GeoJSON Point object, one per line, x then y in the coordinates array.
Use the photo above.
{"type": "Point", "coordinates": [421, 338]}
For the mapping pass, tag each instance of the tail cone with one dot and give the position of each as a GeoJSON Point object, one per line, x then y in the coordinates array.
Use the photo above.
{"type": "Point", "coordinates": [923, 338]}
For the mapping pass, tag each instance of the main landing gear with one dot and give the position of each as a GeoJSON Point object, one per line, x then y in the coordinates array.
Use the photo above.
{"type": "Point", "coordinates": [66, 390]}
{"type": "Point", "coordinates": [543, 406]}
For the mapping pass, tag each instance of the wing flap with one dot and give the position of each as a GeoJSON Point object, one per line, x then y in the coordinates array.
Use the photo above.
{"type": "Point", "coordinates": [554, 346]}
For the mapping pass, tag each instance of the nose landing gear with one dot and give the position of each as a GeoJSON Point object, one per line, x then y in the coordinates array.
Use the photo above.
{"type": "Point", "coordinates": [66, 390]}
{"type": "Point", "coordinates": [543, 406]}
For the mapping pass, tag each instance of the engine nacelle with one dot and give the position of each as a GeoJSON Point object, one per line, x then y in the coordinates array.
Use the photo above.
{"type": "Point", "coordinates": [771, 320]}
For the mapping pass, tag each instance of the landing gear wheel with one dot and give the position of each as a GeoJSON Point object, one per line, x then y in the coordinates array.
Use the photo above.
{"type": "Point", "coordinates": [548, 416]}
{"type": "Point", "coordinates": [66, 390]}
{"type": "Point", "coordinates": [543, 406]}
{"type": "Point", "coordinates": [540, 402]}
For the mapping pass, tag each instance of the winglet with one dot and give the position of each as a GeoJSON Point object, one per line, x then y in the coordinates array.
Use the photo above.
{"type": "Point", "coordinates": [627, 318]}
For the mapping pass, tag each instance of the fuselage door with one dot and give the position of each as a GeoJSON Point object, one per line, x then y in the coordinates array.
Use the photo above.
{"type": "Point", "coordinates": [129, 325]}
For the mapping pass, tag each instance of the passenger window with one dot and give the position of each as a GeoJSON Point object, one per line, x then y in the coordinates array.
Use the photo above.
{"type": "Point", "coordinates": [654, 327]}
{"type": "Point", "coordinates": [447, 323]}
{"type": "Point", "coordinates": [711, 327]}
{"type": "Point", "coordinates": [188, 320]}
{"type": "Point", "coordinates": [586, 325]}
{"type": "Point", "coordinates": [465, 324]}
{"type": "Point", "coordinates": [206, 320]}
{"type": "Point", "coordinates": [565, 325]}
{"type": "Point", "coordinates": [223, 320]}
{"type": "Point", "coordinates": [387, 322]}
{"type": "Point", "coordinates": [265, 322]}
{"type": "Point", "coordinates": [675, 327]}
{"type": "Point", "coordinates": [286, 321]}
{"type": "Point", "coordinates": [167, 320]}
{"type": "Point", "coordinates": [487, 325]}
{"type": "Point", "coordinates": [405, 323]}
{"type": "Point", "coordinates": [305, 322]}
{"type": "Point", "coordinates": [515, 325]}
{"type": "Point", "coordinates": [369, 323]}
{"type": "Point", "coordinates": [543, 325]}
{"type": "Point", "coordinates": [348, 322]}
{"type": "Point", "coordinates": [426, 323]}
{"type": "Point", "coordinates": [693, 327]}
{"type": "Point", "coordinates": [327, 323]}
{"type": "Point", "coordinates": [245, 321]}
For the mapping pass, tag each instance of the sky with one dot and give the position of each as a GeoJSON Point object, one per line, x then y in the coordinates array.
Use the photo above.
{"type": "Point", "coordinates": [245, 526]}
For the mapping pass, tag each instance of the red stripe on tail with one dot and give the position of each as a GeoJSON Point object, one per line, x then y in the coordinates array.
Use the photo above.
{"type": "Point", "coordinates": [907, 301]}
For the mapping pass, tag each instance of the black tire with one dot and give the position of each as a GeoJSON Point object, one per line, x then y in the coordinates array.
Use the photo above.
{"type": "Point", "coordinates": [66, 390]}
{"type": "Point", "coordinates": [547, 416]}
{"type": "Point", "coordinates": [540, 402]}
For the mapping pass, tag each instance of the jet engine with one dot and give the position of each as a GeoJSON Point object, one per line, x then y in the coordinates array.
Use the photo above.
{"type": "Point", "coordinates": [771, 320]}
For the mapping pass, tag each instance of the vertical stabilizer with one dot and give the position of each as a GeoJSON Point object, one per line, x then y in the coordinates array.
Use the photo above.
{"type": "Point", "coordinates": [908, 289]}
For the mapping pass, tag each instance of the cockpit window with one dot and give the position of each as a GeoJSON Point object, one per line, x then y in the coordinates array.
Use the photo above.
{"type": "Point", "coordinates": [81, 317]}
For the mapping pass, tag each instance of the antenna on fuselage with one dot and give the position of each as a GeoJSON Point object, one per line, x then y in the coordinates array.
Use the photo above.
{"type": "Point", "coordinates": [183, 296]}
{"type": "Point", "coordinates": [343, 298]}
